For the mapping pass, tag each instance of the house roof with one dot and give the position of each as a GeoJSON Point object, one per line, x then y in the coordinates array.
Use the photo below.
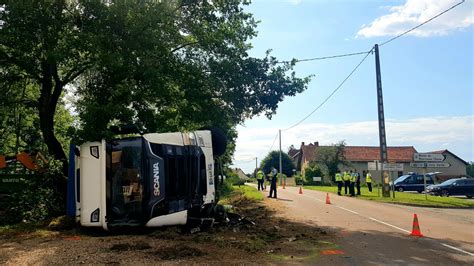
{"type": "Point", "coordinates": [365, 153]}
{"type": "Point", "coordinates": [454, 155]}
{"type": "Point", "coordinates": [293, 152]}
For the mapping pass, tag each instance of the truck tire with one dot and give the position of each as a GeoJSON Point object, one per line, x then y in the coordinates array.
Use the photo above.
{"type": "Point", "coordinates": [219, 141]}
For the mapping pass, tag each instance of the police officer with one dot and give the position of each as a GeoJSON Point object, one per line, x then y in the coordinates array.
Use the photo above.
{"type": "Point", "coordinates": [273, 183]}
{"type": "Point", "coordinates": [260, 179]}
{"type": "Point", "coordinates": [339, 182]}
{"type": "Point", "coordinates": [352, 183]}
{"type": "Point", "coordinates": [357, 182]}
{"type": "Point", "coordinates": [346, 177]}
{"type": "Point", "coordinates": [368, 180]}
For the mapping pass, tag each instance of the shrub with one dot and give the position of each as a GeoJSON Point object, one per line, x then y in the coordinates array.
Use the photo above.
{"type": "Point", "coordinates": [38, 200]}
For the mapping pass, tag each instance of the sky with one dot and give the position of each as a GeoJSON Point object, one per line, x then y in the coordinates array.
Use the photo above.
{"type": "Point", "coordinates": [427, 75]}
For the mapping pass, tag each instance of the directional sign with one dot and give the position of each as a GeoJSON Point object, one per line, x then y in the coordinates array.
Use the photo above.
{"type": "Point", "coordinates": [393, 166]}
{"type": "Point", "coordinates": [418, 165]}
{"type": "Point", "coordinates": [438, 165]}
{"type": "Point", "coordinates": [428, 157]}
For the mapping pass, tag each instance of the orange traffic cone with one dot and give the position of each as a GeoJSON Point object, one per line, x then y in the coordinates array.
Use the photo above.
{"type": "Point", "coordinates": [328, 201]}
{"type": "Point", "coordinates": [416, 227]}
{"type": "Point", "coordinates": [301, 190]}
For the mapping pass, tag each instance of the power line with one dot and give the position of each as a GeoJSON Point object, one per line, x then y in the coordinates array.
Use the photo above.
{"type": "Point", "coordinates": [273, 142]}
{"type": "Point", "coordinates": [321, 58]}
{"type": "Point", "coordinates": [333, 92]}
{"type": "Point", "coordinates": [416, 27]}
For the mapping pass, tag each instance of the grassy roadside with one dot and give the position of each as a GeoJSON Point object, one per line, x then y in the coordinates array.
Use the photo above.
{"type": "Point", "coordinates": [243, 191]}
{"type": "Point", "coordinates": [405, 198]}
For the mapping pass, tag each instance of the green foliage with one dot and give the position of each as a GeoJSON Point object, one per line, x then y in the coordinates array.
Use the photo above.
{"type": "Point", "coordinates": [330, 158]}
{"type": "Point", "coordinates": [310, 172]}
{"type": "Point", "coordinates": [273, 160]}
{"type": "Point", "coordinates": [38, 200]}
{"type": "Point", "coordinates": [470, 169]}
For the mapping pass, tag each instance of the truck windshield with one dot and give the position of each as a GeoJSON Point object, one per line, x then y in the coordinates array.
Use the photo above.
{"type": "Point", "coordinates": [124, 180]}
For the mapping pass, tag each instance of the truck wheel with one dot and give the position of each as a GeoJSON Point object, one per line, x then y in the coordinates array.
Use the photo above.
{"type": "Point", "coordinates": [219, 141]}
{"type": "Point", "coordinates": [444, 193]}
{"type": "Point", "coordinates": [400, 189]}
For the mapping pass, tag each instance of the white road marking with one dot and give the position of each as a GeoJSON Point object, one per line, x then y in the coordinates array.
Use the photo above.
{"type": "Point", "coordinates": [347, 209]}
{"type": "Point", "coordinates": [458, 249]}
{"type": "Point", "coordinates": [396, 227]}
{"type": "Point", "coordinates": [393, 226]}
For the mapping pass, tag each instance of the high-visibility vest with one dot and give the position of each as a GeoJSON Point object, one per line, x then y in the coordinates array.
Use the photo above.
{"type": "Point", "coordinates": [338, 177]}
{"type": "Point", "coordinates": [346, 176]}
{"type": "Point", "coordinates": [260, 174]}
{"type": "Point", "coordinates": [353, 177]}
{"type": "Point", "coordinates": [368, 178]}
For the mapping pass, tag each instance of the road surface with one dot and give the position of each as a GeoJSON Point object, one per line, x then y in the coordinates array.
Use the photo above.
{"type": "Point", "coordinates": [378, 233]}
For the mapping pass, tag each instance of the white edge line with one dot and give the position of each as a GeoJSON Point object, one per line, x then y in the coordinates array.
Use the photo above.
{"type": "Point", "coordinates": [396, 227]}
{"type": "Point", "coordinates": [458, 249]}
{"type": "Point", "coordinates": [347, 210]}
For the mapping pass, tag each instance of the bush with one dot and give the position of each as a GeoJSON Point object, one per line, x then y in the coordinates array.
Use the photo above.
{"type": "Point", "coordinates": [38, 200]}
{"type": "Point", "coordinates": [311, 172]}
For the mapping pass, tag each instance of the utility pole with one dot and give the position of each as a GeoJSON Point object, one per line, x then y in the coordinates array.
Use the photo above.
{"type": "Point", "coordinates": [279, 133]}
{"type": "Point", "coordinates": [255, 167]}
{"type": "Point", "coordinates": [383, 141]}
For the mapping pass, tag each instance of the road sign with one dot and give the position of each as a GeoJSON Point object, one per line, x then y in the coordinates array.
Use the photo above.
{"type": "Point", "coordinates": [418, 165]}
{"type": "Point", "coordinates": [372, 166]}
{"type": "Point", "coordinates": [438, 165]}
{"type": "Point", "coordinates": [428, 157]}
{"type": "Point", "coordinates": [393, 166]}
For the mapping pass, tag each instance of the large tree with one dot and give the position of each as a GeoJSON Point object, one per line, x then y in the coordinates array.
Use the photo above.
{"type": "Point", "coordinates": [161, 65]}
{"type": "Point", "coordinates": [273, 160]}
{"type": "Point", "coordinates": [329, 158]}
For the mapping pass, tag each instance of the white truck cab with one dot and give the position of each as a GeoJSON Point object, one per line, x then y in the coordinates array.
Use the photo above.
{"type": "Point", "coordinates": [152, 180]}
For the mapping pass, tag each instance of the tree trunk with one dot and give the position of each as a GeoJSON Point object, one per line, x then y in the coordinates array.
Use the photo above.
{"type": "Point", "coordinates": [49, 97]}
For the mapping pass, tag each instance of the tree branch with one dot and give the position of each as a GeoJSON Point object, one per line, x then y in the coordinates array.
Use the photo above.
{"type": "Point", "coordinates": [183, 45]}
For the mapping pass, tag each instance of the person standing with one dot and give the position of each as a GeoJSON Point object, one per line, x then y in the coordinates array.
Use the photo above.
{"type": "Point", "coordinates": [260, 179]}
{"type": "Point", "coordinates": [368, 180]}
{"type": "Point", "coordinates": [273, 183]}
{"type": "Point", "coordinates": [339, 182]}
{"type": "Point", "coordinates": [346, 177]}
{"type": "Point", "coordinates": [357, 182]}
{"type": "Point", "coordinates": [352, 181]}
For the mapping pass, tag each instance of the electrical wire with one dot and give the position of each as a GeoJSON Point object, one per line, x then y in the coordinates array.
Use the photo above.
{"type": "Point", "coordinates": [333, 92]}
{"type": "Point", "coordinates": [419, 25]}
{"type": "Point", "coordinates": [321, 58]}
{"type": "Point", "coordinates": [273, 143]}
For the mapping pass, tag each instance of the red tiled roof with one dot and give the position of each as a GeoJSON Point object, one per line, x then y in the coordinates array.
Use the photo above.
{"type": "Point", "coordinates": [365, 153]}
{"type": "Point", "coordinates": [293, 152]}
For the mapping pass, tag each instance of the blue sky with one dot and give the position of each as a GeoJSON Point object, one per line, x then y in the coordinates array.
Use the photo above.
{"type": "Point", "coordinates": [427, 76]}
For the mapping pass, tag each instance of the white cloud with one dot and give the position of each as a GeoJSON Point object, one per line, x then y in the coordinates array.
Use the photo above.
{"type": "Point", "coordinates": [414, 12]}
{"type": "Point", "coordinates": [425, 134]}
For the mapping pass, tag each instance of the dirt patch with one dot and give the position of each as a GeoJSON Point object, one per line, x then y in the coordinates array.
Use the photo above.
{"type": "Point", "coordinates": [178, 252]}
{"type": "Point", "coordinates": [130, 246]}
{"type": "Point", "coordinates": [261, 237]}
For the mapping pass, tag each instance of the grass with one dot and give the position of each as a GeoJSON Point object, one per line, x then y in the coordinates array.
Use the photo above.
{"type": "Point", "coordinates": [406, 198]}
{"type": "Point", "coordinates": [243, 191]}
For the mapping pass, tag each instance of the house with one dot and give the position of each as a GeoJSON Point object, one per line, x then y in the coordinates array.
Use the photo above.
{"type": "Point", "coordinates": [240, 174]}
{"type": "Point", "coordinates": [360, 156]}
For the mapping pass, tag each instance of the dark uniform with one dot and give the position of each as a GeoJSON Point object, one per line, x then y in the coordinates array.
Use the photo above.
{"type": "Point", "coordinates": [358, 183]}
{"type": "Point", "coordinates": [273, 184]}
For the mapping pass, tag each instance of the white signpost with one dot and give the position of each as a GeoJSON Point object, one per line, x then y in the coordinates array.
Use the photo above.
{"type": "Point", "coordinates": [418, 165]}
{"type": "Point", "coordinates": [393, 167]}
{"type": "Point", "coordinates": [432, 160]}
{"type": "Point", "coordinates": [428, 157]}
{"type": "Point", "coordinates": [438, 165]}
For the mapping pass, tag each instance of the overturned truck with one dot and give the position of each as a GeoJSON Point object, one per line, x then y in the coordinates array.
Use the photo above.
{"type": "Point", "coordinates": [152, 180]}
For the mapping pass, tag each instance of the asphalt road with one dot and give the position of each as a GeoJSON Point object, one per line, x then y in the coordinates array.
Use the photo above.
{"type": "Point", "coordinates": [378, 233]}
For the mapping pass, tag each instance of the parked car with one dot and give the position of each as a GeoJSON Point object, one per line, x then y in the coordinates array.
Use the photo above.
{"type": "Point", "coordinates": [413, 182]}
{"type": "Point", "coordinates": [453, 187]}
